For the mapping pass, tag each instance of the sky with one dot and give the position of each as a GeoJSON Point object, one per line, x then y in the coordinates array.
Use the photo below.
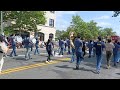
{"type": "Point", "coordinates": [103, 18]}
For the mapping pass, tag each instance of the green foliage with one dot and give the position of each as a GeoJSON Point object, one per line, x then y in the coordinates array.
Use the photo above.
{"type": "Point", "coordinates": [59, 34]}
{"type": "Point", "coordinates": [87, 30]}
{"type": "Point", "coordinates": [24, 20]}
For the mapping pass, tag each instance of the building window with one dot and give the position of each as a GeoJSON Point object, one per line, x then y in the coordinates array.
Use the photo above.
{"type": "Point", "coordinates": [52, 11]}
{"type": "Point", "coordinates": [51, 22]}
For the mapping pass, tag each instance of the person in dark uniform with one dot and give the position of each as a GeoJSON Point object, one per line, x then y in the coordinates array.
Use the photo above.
{"type": "Point", "coordinates": [99, 47]}
{"type": "Point", "coordinates": [61, 47]}
{"type": "Point", "coordinates": [94, 50]}
{"type": "Point", "coordinates": [37, 47]}
{"type": "Point", "coordinates": [90, 46]}
{"type": "Point", "coordinates": [59, 44]}
{"type": "Point", "coordinates": [118, 52]}
{"type": "Point", "coordinates": [49, 50]}
{"type": "Point", "coordinates": [115, 52]}
{"type": "Point", "coordinates": [68, 44]}
{"type": "Point", "coordinates": [13, 43]}
{"type": "Point", "coordinates": [78, 51]}
{"type": "Point", "coordinates": [65, 45]}
{"type": "Point", "coordinates": [27, 44]}
{"type": "Point", "coordinates": [84, 48]}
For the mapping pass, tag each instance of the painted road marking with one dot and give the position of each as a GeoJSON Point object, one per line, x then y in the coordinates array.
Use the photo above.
{"type": "Point", "coordinates": [31, 66]}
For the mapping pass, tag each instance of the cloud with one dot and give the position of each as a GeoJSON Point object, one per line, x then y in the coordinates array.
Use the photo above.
{"type": "Point", "coordinates": [103, 24]}
{"type": "Point", "coordinates": [60, 13]}
{"type": "Point", "coordinates": [116, 29]}
{"type": "Point", "coordinates": [102, 17]}
{"type": "Point", "coordinates": [62, 24]}
{"type": "Point", "coordinates": [62, 21]}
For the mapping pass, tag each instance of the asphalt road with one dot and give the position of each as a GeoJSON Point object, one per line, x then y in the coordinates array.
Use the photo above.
{"type": "Point", "coordinates": [59, 68]}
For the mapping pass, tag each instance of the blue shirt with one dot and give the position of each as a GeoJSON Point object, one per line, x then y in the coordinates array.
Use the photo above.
{"type": "Point", "coordinates": [90, 45]}
{"type": "Point", "coordinates": [37, 43]}
{"type": "Point", "coordinates": [49, 46]}
{"type": "Point", "coordinates": [99, 47]}
{"type": "Point", "coordinates": [59, 43]}
{"type": "Point", "coordinates": [62, 44]}
{"type": "Point", "coordinates": [13, 41]}
{"type": "Point", "coordinates": [78, 45]}
{"type": "Point", "coordinates": [115, 50]}
{"type": "Point", "coordinates": [27, 42]}
{"type": "Point", "coordinates": [68, 42]}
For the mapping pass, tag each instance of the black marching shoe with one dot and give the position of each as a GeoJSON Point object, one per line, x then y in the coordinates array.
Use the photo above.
{"type": "Point", "coordinates": [89, 57]}
{"type": "Point", "coordinates": [77, 68]}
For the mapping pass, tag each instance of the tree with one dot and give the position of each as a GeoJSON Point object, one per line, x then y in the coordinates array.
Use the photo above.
{"type": "Point", "coordinates": [24, 20]}
{"type": "Point", "coordinates": [109, 31]}
{"type": "Point", "coordinates": [59, 34]}
{"type": "Point", "coordinates": [78, 25]}
{"type": "Point", "coordinates": [92, 26]}
{"type": "Point", "coordinates": [116, 13]}
{"type": "Point", "coordinates": [87, 30]}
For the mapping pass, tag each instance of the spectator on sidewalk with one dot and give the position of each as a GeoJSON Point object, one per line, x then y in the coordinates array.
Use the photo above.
{"type": "Point", "coordinates": [78, 51]}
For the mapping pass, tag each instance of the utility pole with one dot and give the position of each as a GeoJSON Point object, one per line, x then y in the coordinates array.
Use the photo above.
{"type": "Point", "coordinates": [1, 22]}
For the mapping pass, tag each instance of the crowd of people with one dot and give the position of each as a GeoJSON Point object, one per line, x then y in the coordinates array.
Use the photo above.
{"type": "Point", "coordinates": [96, 48]}
{"type": "Point", "coordinates": [74, 46]}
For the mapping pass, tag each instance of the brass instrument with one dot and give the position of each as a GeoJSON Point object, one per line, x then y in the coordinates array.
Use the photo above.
{"type": "Point", "coordinates": [71, 39]}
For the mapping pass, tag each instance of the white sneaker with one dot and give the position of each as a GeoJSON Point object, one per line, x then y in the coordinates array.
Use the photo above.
{"type": "Point", "coordinates": [47, 61]}
{"type": "Point", "coordinates": [61, 55]}
{"type": "Point", "coordinates": [50, 61]}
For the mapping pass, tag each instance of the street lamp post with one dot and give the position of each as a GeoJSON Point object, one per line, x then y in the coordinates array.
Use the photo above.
{"type": "Point", "coordinates": [1, 22]}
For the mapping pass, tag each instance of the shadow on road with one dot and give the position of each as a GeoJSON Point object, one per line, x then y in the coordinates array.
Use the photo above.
{"type": "Point", "coordinates": [39, 61]}
{"type": "Point", "coordinates": [84, 69]}
{"type": "Point", "coordinates": [118, 73]}
{"type": "Point", "coordinates": [43, 55]}
{"type": "Point", "coordinates": [64, 66]}
{"type": "Point", "coordinates": [19, 58]}
{"type": "Point", "coordinates": [94, 66]}
{"type": "Point", "coordinates": [92, 62]}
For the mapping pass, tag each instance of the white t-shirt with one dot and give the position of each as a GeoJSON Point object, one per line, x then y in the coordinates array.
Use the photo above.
{"type": "Point", "coordinates": [3, 46]}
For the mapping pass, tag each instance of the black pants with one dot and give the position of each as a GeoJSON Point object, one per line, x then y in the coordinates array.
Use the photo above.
{"type": "Point", "coordinates": [68, 49]}
{"type": "Point", "coordinates": [108, 57]}
{"type": "Point", "coordinates": [83, 50]}
{"type": "Point", "coordinates": [49, 54]}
